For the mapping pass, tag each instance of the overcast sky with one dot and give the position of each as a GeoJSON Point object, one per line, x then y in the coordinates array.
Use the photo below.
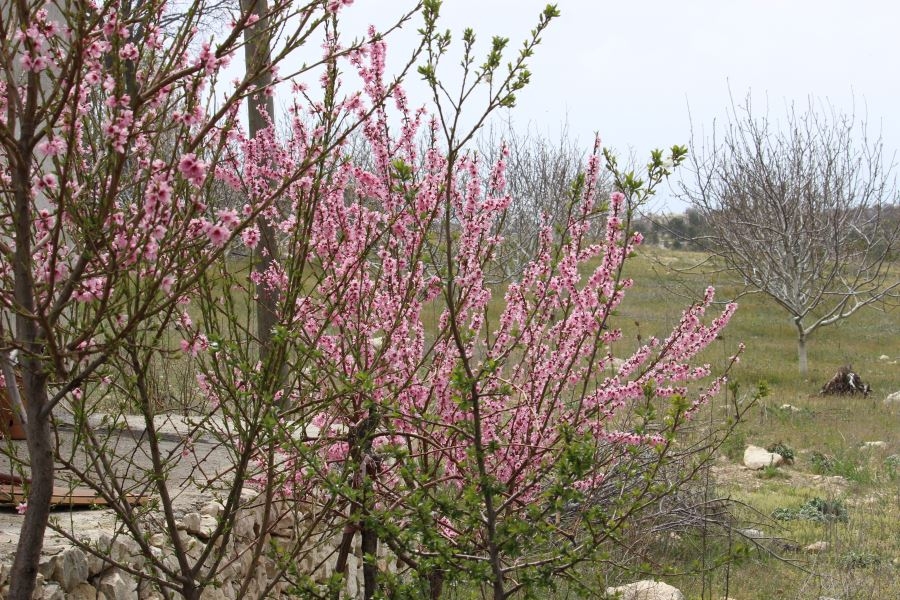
{"type": "Point", "coordinates": [634, 70]}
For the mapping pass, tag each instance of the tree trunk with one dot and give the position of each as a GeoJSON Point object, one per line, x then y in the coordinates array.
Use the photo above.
{"type": "Point", "coordinates": [436, 584]}
{"type": "Point", "coordinates": [801, 355]}
{"type": "Point", "coordinates": [261, 113]}
{"type": "Point", "coordinates": [369, 545]}
{"type": "Point", "coordinates": [40, 452]}
{"type": "Point", "coordinates": [34, 379]}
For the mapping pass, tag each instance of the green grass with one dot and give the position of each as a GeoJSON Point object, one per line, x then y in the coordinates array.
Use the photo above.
{"type": "Point", "coordinates": [863, 558]}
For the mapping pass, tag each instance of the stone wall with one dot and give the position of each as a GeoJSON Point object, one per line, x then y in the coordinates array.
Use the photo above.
{"type": "Point", "coordinates": [70, 572]}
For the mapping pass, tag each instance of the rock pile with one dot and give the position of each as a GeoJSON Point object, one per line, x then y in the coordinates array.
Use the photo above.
{"type": "Point", "coordinates": [70, 572]}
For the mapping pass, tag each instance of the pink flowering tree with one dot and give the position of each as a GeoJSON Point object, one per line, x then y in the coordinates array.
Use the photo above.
{"type": "Point", "coordinates": [478, 433]}
{"type": "Point", "coordinates": [401, 408]}
{"type": "Point", "coordinates": [113, 118]}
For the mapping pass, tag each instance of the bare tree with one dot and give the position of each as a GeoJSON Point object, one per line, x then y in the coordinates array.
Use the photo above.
{"type": "Point", "coordinates": [542, 179]}
{"type": "Point", "coordinates": [801, 209]}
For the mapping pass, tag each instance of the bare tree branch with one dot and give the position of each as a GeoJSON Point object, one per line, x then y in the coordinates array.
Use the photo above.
{"type": "Point", "coordinates": [803, 210]}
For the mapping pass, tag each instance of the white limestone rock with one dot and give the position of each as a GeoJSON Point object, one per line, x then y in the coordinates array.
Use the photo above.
{"type": "Point", "coordinates": [753, 534]}
{"type": "Point", "coordinates": [759, 458]}
{"type": "Point", "coordinates": [52, 591]}
{"type": "Point", "coordinates": [213, 593]}
{"type": "Point", "coordinates": [119, 585]}
{"type": "Point", "coordinates": [71, 569]}
{"type": "Point", "coordinates": [213, 509]}
{"type": "Point", "coordinates": [646, 590]}
{"type": "Point", "coordinates": [190, 522]}
{"type": "Point", "coordinates": [83, 591]}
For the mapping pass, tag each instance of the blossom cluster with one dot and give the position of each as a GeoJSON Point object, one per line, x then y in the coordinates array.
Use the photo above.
{"type": "Point", "coordinates": [398, 345]}
{"type": "Point", "coordinates": [402, 355]}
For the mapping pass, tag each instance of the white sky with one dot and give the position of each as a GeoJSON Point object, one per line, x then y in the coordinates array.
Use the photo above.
{"type": "Point", "coordinates": [630, 69]}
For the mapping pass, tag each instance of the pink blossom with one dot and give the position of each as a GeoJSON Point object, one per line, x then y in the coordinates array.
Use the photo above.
{"type": "Point", "coordinates": [218, 235]}
{"type": "Point", "coordinates": [207, 59]}
{"type": "Point", "coordinates": [111, 24]}
{"type": "Point", "coordinates": [22, 507]}
{"type": "Point", "coordinates": [47, 181]}
{"type": "Point", "coordinates": [228, 218]}
{"type": "Point", "coordinates": [336, 5]}
{"type": "Point", "coordinates": [129, 52]}
{"type": "Point", "coordinates": [51, 146]}
{"type": "Point", "coordinates": [446, 528]}
{"type": "Point", "coordinates": [198, 344]}
{"type": "Point", "coordinates": [337, 452]}
{"type": "Point", "coordinates": [159, 191]}
{"type": "Point", "coordinates": [193, 169]}
{"type": "Point", "coordinates": [152, 38]}
{"type": "Point", "coordinates": [35, 64]}
{"type": "Point", "coordinates": [250, 237]}
{"type": "Point", "coordinates": [118, 128]}
{"type": "Point", "coordinates": [90, 290]}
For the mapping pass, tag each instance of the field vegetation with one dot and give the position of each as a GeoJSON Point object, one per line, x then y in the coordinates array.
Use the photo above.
{"type": "Point", "coordinates": [828, 435]}
{"type": "Point", "coordinates": [391, 358]}
{"type": "Point", "coordinates": [825, 438]}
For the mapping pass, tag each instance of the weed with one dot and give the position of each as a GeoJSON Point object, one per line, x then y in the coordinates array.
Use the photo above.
{"type": "Point", "coordinates": [772, 472]}
{"type": "Point", "coordinates": [786, 452]}
{"type": "Point", "coordinates": [846, 466]}
{"type": "Point", "coordinates": [816, 510]}
{"type": "Point", "coordinates": [856, 559]}
{"type": "Point", "coordinates": [821, 464]}
{"type": "Point", "coordinates": [892, 466]}
{"type": "Point", "coordinates": [734, 445]}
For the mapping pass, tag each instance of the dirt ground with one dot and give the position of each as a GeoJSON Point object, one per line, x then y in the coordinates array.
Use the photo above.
{"type": "Point", "coordinates": [739, 476]}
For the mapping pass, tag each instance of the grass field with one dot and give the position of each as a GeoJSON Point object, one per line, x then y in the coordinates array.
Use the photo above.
{"type": "Point", "coordinates": [861, 557]}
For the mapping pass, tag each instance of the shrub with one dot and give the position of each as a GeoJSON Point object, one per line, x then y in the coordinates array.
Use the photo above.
{"type": "Point", "coordinates": [844, 466]}
{"type": "Point", "coordinates": [857, 559]}
{"type": "Point", "coordinates": [733, 446]}
{"type": "Point", "coordinates": [822, 464]}
{"type": "Point", "coordinates": [772, 472]}
{"type": "Point", "coordinates": [892, 466]}
{"type": "Point", "coordinates": [457, 445]}
{"type": "Point", "coordinates": [816, 509]}
{"type": "Point", "coordinates": [784, 450]}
